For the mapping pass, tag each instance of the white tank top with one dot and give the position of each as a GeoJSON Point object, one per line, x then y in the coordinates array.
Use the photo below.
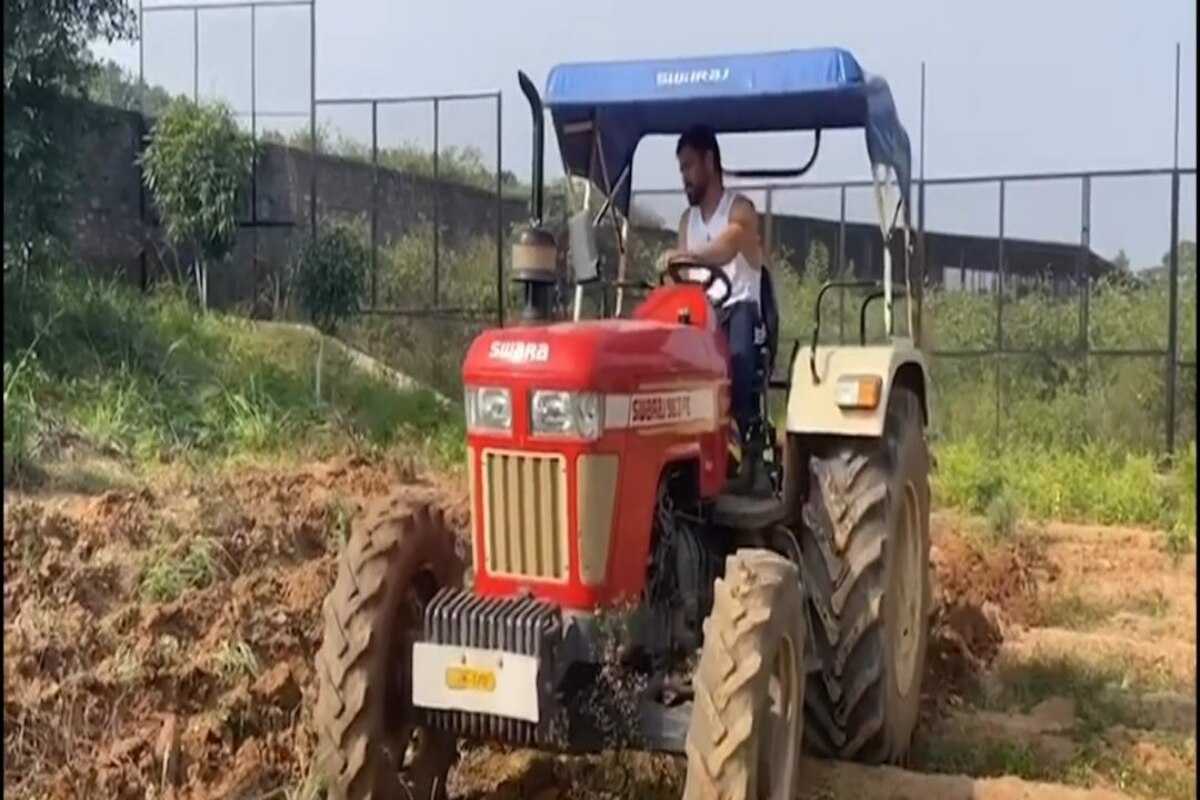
{"type": "Point", "coordinates": [743, 278]}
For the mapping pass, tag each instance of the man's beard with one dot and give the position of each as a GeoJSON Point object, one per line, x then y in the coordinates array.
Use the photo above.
{"type": "Point", "coordinates": [694, 194]}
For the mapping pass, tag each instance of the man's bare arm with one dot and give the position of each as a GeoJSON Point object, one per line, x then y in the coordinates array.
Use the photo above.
{"type": "Point", "coordinates": [680, 245]}
{"type": "Point", "coordinates": [740, 235]}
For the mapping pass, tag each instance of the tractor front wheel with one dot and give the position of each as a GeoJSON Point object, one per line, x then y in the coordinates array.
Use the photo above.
{"type": "Point", "coordinates": [747, 718]}
{"type": "Point", "coordinates": [370, 747]}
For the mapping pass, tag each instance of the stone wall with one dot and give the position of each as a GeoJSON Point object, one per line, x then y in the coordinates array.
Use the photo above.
{"type": "Point", "coordinates": [108, 235]}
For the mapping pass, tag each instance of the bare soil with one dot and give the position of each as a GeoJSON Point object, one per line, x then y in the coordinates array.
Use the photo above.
{"type": "Point", "coordinates": [159, 643]}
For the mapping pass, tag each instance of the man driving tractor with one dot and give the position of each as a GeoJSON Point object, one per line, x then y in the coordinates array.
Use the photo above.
{"type": "Point", "coordinates": [720, 229]}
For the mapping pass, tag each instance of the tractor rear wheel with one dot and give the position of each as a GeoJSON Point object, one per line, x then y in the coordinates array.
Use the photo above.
{"type": "Point", "coordinates": [865, 546]}
{"type": "Point", "coordinates": [747, 717]}
{"type": "Point", "coordinates": [370, 747]}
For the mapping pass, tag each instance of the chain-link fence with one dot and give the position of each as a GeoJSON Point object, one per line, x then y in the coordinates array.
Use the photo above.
{"type": "Point", "coordinates": [422, 181]}
{"type": "Point", "coordinates": [1058, 309]}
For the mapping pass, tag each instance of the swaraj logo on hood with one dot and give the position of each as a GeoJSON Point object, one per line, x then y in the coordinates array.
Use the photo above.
{"type": "Point", "coordinates": [520, 352]}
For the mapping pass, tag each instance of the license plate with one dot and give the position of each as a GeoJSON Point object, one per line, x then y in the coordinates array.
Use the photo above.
{"type": "Point", "coordinates": [478, 680]}
{"type": "Point", "coordinates": [468, 679]}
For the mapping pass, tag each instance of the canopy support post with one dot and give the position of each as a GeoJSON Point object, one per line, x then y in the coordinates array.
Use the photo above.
{"type": "Point", "coordinates": [880, 181]}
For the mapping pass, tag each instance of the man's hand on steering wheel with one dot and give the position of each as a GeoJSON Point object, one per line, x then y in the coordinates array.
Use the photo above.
{"type": "Point", "coordinates": [678, 265]}
{"type": "Point", "coordinates": [665, 259]}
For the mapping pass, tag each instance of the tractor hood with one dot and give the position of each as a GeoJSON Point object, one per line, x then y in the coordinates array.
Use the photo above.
{"type": "Point", "coordinates": [601, 355]}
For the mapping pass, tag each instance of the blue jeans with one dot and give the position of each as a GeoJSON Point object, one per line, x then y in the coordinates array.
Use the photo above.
{"type": "Point", "coordinates": [739, 321]}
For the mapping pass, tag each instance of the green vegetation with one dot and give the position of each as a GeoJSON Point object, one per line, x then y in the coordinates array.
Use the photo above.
{"type": "Point", "coordinates": [148, 379]}
{"type": "Point", "coordinates": [465, 165]}
{"type": "Point", "coordinates": [169, 572]}
{"type": "Point", "coordinates": [331, 281]}
{"type": "Point", "coordinates": [237, 660]}
{"type": "Point", "coordinates": [111, 84]}
{"type": "Point", "coordinates": [1103, 741]}
{"type": "Point", "coordinates": [1073, 611]}
{"type": "Point", "coordinates": [331, 277]}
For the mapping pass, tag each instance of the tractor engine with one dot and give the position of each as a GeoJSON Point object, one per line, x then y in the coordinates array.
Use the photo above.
{"type": "Point", "coordinates": [678, 595]}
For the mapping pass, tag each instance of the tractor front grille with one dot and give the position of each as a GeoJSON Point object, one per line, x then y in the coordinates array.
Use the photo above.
{"type": "Point", "coordinates": [525, 514]}
{"type": "Point", "coordinates": [515, 625]}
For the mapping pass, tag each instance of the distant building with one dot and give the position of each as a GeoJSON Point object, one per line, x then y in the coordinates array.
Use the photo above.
{"type": "Point", "coordinates": [955, 261]}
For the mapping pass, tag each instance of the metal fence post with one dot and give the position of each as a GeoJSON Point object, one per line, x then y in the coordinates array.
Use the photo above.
{"type": "Point", "coordinates": [254, 152]}
{"type": "Point", "coordinates": [143, 226]}
{"type": "Point", "coordinates": [1084, 277]}
{"type": "Point", "coordinates": [1173, 313]}
{"type": "Point", "coordinates": [1173, 278]}
{"type": "Point", "coordinates": [196, 54]}
{"type": "Point", "coordinates": [437, 186]}
{"type": "Point", "coordinates": [999, 356]}
{"type": "Point", "coordinates": [841, 269]}
{"type": "Point", "coordinates": [312, 117]}
{"type": "Point", "coordinates": [374, 204]}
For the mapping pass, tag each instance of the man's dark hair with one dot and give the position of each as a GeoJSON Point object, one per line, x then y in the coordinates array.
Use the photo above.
{"type": "Point", "coordinates": [701, 139]}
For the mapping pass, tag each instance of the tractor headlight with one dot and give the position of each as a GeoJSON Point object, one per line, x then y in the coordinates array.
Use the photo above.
{"type": "Point", "coordinates": [489, 409]}
{"type": "Point", "coordinates": [555, 413]}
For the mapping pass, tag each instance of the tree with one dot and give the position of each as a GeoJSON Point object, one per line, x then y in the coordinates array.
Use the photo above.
{"type": "Point", "coordinates": [113, 85]}
{"type": "Point", "coordinates": [1121, 263]}
{"type": "Point", "coordinates": [331, 277]}
{"type": "Point", "coordinates": [197, 166]}
{"type": "Point", "coordinates": [464, 165]}
{"type": "Point", "coordinates": [46, 67]}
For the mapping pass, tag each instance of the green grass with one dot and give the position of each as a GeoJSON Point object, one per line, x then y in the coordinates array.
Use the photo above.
{"type": "Point", "coordinates": [989, 758]}
{"type": "Point", "coordinates": [1097, 748]}
{"type": "Point", "coordinates": [148, 380]}
{"type": "Point", "coordinates": [1073, 611]}
{"type": "Point", "coordinates": [168, 572]}
{"type": "Point", "coordinates": [237, 660]}
{"type": "Point", "coordinates": [1097, 483]}
{"type": "Point", "coordinates": [1104, 695]}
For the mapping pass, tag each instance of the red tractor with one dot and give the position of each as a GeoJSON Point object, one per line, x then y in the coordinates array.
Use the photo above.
{"type": "Point", "coordinates": [621, 596]}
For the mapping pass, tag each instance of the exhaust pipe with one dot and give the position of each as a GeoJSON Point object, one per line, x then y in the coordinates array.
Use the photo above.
{"type": "Point", "coordinates": [535, 252]}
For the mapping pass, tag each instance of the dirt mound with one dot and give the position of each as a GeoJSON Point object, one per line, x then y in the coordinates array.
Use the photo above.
{"type": "Point", "coordinates": [979, 589]}
{"type": "Point", "coordinates": [489, 773]}
{"type": "Point", "coordinates": [160, 643]}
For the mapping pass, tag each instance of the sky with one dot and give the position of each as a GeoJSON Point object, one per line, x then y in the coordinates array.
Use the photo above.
{"type": "Point", "coordinates": [1023, 86]}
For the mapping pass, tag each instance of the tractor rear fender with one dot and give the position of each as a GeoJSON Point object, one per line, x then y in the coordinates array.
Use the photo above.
{"type": "Point", "coordinates": [848, 396]}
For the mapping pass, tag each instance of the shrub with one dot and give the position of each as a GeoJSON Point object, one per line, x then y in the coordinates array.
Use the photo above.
{"type": "Point", "coordinates": [331, 276]}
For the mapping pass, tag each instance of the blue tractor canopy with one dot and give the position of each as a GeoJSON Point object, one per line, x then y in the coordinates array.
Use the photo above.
{"type": "Point", "coordinates": [601, 111]}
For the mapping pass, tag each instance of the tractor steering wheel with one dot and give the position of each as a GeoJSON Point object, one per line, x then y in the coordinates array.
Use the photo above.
{"type": "Point", "coordinates": [716, 275]}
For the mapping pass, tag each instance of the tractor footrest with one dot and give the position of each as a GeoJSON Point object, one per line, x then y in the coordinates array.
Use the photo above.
{"type": "Point", "coordinates": [490, 669]}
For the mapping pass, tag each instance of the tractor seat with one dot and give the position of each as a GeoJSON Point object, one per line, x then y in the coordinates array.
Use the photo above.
{"type": "Point", "coordinates": [767, 333]}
